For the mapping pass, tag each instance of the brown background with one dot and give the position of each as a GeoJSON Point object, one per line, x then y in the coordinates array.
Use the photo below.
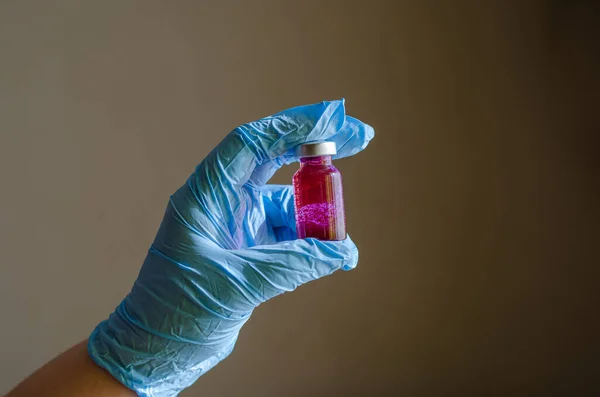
{"type": "Point", "coordinates": [475, 208]}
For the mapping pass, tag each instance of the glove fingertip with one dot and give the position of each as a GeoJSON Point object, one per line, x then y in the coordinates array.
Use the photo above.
{"type": "Point", "coordinates": [345, 251]}
{"type": "Point", "coordinates": [353, 257]}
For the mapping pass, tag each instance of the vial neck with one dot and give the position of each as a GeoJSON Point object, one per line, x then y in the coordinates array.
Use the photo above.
{"type": "Point", "coordinates": [316, 160]}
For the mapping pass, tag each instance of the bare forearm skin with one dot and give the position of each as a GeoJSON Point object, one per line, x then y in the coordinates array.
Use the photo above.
{"type": "Point", "coordinates": [71, 374]}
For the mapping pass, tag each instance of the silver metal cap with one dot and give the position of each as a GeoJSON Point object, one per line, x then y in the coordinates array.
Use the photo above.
{"type": "Point", "coordinates": [314, 149]}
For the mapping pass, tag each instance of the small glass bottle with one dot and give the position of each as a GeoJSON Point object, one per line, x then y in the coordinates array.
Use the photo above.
{"type": "Point", "coordinates": [318, 195]}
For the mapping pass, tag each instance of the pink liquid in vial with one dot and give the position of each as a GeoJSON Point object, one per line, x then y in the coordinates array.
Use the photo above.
{"type": "Point", "coordinates": [319, 200]}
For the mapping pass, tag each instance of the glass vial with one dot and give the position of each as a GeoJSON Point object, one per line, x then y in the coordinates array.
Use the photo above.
{"type": "Point", "coordinates": [318, 195]}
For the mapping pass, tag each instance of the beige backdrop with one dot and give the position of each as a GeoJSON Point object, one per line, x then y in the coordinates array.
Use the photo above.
{"type": "Point", "coordinates": [475, 208]}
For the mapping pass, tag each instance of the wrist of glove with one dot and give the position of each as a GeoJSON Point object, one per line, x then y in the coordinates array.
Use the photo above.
{"type": "Point", "coordinates": [226, 244]}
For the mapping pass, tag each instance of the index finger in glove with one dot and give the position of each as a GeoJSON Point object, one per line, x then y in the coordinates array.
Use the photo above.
{"type": "Point", "coordinates": [254, 151]}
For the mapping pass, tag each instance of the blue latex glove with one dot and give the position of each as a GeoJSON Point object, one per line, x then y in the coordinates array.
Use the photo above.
{"type": "Point", "coordinates": [226, 244]}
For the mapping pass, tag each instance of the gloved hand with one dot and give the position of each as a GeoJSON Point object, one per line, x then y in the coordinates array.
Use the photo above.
{"type": "Point", "coordinates": [226, 244]}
